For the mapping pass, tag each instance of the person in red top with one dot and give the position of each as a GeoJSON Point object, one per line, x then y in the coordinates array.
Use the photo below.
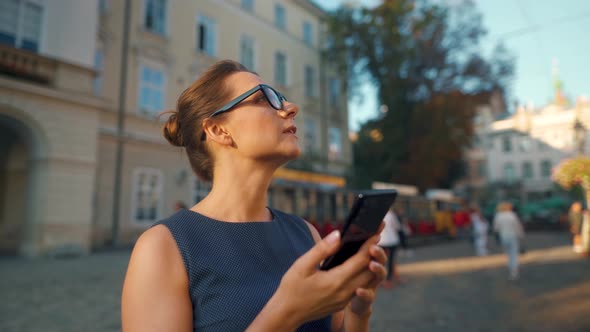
{"type": "Point", "coordinates": [461, 217]}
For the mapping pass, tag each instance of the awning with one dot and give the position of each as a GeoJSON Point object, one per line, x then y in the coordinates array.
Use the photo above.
{"type": "Point", "coordinates": [309, 177]}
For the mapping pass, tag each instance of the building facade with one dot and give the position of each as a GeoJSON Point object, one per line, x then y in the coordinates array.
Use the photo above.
{"type": "Point", "coordinates": [516, 154]}
{"type": "Point", "coordinates": [116, 174]}
{"type": "Point", "coordinates": [48, 125]}
{"type": "Point", "coordinates": [526, 146]}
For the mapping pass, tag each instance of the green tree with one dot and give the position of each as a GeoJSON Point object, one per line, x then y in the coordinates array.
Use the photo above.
{"type": "Point", "coordinates": [574, 173]}
{"type": "Point", "coordinates": [426, 63]}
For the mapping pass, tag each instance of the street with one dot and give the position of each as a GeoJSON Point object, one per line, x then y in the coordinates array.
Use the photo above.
{"type": "Point", "coordinates": [446, 289]}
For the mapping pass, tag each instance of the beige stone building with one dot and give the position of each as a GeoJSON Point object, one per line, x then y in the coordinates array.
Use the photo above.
{"type": "Point", "coordinates": [48, 125]}
{"type": "Point", "coordinates": [69, 125]}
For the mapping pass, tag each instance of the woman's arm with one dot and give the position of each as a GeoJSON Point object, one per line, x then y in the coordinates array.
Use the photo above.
{"type": "Point", "coordinates": [155, 293]}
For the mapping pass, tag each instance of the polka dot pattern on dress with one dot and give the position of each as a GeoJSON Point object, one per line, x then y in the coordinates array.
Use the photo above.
{"type": "Point", "coordinates": [234, 268]}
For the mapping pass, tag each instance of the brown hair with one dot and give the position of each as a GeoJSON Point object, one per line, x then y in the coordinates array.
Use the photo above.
{"type": "Point", "coordinates": [196, 103]}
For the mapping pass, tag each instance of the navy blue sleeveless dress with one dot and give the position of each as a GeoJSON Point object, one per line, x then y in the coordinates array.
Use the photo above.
{"type": "Point", "coordinates": [235, 268]}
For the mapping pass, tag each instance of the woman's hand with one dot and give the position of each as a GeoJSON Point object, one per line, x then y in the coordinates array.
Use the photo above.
{"type": "Point", "coordinates": [307, 293]}
{"type": "Point", "coordinates": [361, 303]}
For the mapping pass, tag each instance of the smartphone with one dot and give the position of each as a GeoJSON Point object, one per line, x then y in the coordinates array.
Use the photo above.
{"type": "Point", "coordinates": [363, 221]}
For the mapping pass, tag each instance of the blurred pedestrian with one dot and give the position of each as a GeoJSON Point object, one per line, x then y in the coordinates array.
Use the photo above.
{"type": "Point", "coordinates": [179, 205]}
{"type": "Point", "coordinates": [575, 221]}
{"type": "Point", "coordinates": [403, 232]}
{"type": "Point", "coordinates": [390, 242]}
{"type": "Point", "coordinates": [480, 232]}
{"type": "Point", "coordinates": [511, 233]}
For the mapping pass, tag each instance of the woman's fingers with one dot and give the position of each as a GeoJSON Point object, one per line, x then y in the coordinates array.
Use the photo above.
{"type": "Point", "coordinates": [380, 273]}
{"type": "Point", "coordinates": [366, 294]}
{"type": "Point", "coordinates": [309, 262]}
{"type": "Point", "coordinates": [358, 262]}
{"type": "Point", "coordinates": [378, 254]}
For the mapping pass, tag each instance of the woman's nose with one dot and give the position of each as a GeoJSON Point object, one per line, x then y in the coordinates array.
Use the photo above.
{"type": "Point", "coordinates": [289, 110]}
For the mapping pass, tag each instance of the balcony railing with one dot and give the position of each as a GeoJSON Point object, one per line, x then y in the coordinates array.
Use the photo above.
{"type": "Point", "coordinates": [31, 67]}
{"type": "Point", "coordinates": [26, 65]}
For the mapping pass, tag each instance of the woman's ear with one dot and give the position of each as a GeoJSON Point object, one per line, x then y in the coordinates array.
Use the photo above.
{"type": "Point", "coordinates": [217, 132]}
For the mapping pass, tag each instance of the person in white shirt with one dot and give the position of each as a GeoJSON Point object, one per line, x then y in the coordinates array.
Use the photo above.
{"type": "Point", "coordinates": [511, 232]}
{"type": "Point", "coordinates": [480, 232]}
{"type": "Point", "coordinates": [390, 241]}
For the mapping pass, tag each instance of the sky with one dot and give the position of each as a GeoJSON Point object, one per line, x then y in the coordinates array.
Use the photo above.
{"type": "Point", "coordinates": [537, 32]}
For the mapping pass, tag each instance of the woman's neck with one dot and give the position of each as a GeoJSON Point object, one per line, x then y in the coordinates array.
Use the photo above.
{"type": "Point", "coordinates": [239, 193]}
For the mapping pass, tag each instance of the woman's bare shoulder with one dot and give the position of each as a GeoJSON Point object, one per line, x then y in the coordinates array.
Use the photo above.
{"type": "Point", "coordinates": [156, 256]}
{"type": "Point", "coordinates": [156, 285]}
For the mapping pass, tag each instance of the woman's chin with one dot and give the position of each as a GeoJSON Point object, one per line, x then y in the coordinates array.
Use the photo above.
{"type": "Point", "coordinates": [295, 153]}
{"type": "Point", "coordinates": [291, 155]}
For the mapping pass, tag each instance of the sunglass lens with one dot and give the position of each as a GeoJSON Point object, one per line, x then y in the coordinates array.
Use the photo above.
{"type": "Point", "coordinates": [273, 98]}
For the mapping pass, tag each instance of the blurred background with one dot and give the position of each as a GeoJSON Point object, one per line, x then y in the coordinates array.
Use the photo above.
{"type": "Point", "coordinates": [457, 104]}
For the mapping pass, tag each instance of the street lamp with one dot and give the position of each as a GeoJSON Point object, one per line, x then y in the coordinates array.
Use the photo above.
{"type": "Point", "coordinates": [579, 135]}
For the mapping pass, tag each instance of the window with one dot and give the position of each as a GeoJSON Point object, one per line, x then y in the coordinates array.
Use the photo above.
{"type": "Point", "coordinates": [334, 143]}
{"type": "Point", "coordinates": [207, 34]}
{"type": "Point", "coordinates": [527, 170]}
{"type": "Point", "coordinates": [307, 33]}
{"type": "Point", "coordinates": [334, 96]}
{"type": "Point", "coordinates": [490, 143]}
{"type": "Point", "coordinates": [310, 87]}
{"type": "Point", "coordinates": [151, 90]}
{"type": "Point", "coordinates": [247, 52]}
{"type": "Point", "coordinates": [509, 175]}
{"type": "Point", "coordinates": [248, 5]}
{"type": "Point", "coordinates": [310, 135]}
{"type": "Point", "coordinates": [20, 24]}
{"type": "Point", "coordinates": [200, 190]}
{"type": "Point", "coordinates": [147, 195]}
{"type": "Point", "coordinates": [525, 144]}
{"type": "Point", "coordinates": [103, 6]}
{"type": "Point", "coordinates": [506, 143]}
{"type": "Point", "coordinates": [155, 16]}
{"type": "Point", "coordinates": [280, 18]}
{"type": "Point", "coordinates": [99, 67]}
{"type": "Point", "coordinates": [546, 168]}
{"type": "Point", "coordinates": [281, 69]}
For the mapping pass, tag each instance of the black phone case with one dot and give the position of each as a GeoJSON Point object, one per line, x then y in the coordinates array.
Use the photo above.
{"type": "Point", "coordinates": [362, 222]}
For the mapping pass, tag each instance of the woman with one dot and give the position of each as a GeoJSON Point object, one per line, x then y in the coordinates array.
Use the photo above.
{"type": "Point", "coordinates": [230, 263]}
{"type": "Point", "coordinates": [511, 232]}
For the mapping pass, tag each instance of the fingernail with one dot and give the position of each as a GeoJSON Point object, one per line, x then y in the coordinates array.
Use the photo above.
{"type": "Point", "coordinates": [374, 264]}
{"type": "Point", "coordinates": [333, 237]}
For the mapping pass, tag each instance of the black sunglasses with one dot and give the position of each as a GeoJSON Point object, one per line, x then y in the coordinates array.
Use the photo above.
{"type": "Point", "coordinates": [274, 98]}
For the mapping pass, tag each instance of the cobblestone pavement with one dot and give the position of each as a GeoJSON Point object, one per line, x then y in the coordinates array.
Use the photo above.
{"type": "Point", "coordinates": [446, 289]}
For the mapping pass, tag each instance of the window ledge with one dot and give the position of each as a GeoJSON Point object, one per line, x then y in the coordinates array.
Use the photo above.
{"type": "Point", "coordinates": [164, 38]}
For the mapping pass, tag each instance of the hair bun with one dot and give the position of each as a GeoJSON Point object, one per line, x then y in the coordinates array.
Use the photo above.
{"type": "Point", "coordinates": [172, 131]}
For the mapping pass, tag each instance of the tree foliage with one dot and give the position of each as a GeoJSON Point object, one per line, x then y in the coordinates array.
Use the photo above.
{"type": "Point", "coordinates": [573, 172]}
{"type": "Point", "coordinates": [426, 63]}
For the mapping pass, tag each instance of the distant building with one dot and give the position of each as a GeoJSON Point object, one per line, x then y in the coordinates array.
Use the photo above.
{"type": "Point", "coordinates": [515, 154]}
{"type": "Point", "coordinates": [49, 123]}
{"type": "Point", "coordinates": [526, 146]}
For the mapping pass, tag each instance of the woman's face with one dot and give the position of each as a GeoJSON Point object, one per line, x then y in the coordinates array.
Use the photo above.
{"type": "Point", "coordinates": [258, 130]}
